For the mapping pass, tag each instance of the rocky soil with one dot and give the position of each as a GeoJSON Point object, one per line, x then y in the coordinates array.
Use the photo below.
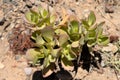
{"type": "Point", "coordinates": [12, 15]}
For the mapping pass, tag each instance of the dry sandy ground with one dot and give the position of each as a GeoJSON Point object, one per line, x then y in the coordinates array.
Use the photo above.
{"type": "Point", "coordinates": [14, 68]}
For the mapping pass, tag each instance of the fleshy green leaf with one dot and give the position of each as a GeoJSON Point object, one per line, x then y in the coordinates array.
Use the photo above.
{"type": "Point", "coordinates": [44, 13]}
{"type": "Point", "coordinates": [74, 37]}
{"type": "Point", "coordinates": [51, 58]}
{"type": "Point", "coordinates": [52, 43]}
{"type": "Point", "coordinates": [91, 18]}
{"type": "Point", "coordinates": [85, 24]}
{"type": "Point", "coordinates": [48, 70]}
{"type": "Point", "coordinates": [103, 40]}
{"type": "Point", "coordinates": [74, 27]}
{"type": "Point", "coordinates": [35, 34]}
{"type": "Point", "coordinates": [91, 34]}
{"type": "Point", "coordinates": [60, 31]}
{"type": "Point", "coordinates": [39, 41]}
{"type": "Point", "coordinates": [99, 32]}
{"type": "Point", "coordinates": [45, 51]}
{"type": "Point", "coordinates": [52, 18]}
{"type": "Point", "coordinates": [68, 53]}
{"type": "Point", "coordinates": [34, 55]}
{"type": "Point", "coordinates": [99, 29]}
{"type": "Point", "coordinates": [63, 36]}
{"type": "Point", "coordinates": [56, 52]}
{"type": "Point", "coordinates": [46, 62]}
{"type": "Point", "coordinates": [41, 24]}
{"type": "Point", "coordinates": [93, 27]}
{"type": "Point", "coordinates": [48, 33]}
{"type": "Point", "coordinates": [44, 22]}
{"type": "Point", "coordinates": [101, 24]}
{"type": "Point", "coordinates": [63, 39]}
{"type": "Point", "coordinates": [47, 21]}
{"type": "Point", "coordinates": [91, 43]}
{"type": "Point", "coordinates": [66, 64]}
{"type": "Point", "coordinates": [32, 16]}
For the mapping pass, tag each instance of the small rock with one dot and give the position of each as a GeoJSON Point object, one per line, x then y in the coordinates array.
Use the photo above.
{"type": "Point", "coordinates": [28, 71]}
{"type": "Point", "coordinates": [14, 3]}
{"type": "Point", "coordinates": [28, 4]}
{"type": "Point", "coordinates": [110, 48]}
{"type": "Point", "coordinates": [103, 64]}
{"type": "Point", "coordinates": [1, 66]}
{"type": "Point", "coordinates": [77, 2]}
{"type": "Point", "coordinates": [1, 16]}
{"type": "Point", "coordinates": [114, 38]}
{"type": "Point", "coordinates": [17, 57]}
{"type": "Point", "coordinates": [86, 12]}
{"type": "Point", "coordinates": [109, 8]}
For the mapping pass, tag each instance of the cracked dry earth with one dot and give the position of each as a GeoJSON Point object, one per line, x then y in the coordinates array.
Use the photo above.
{"type": "Point", "coordinates": [12, 15]}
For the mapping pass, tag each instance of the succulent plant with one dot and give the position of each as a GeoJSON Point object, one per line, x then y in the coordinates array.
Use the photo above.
{"type": "Point", "coordinates": [93, 32]}
{"type": "Point", "coordinates": [52, 43]}
{"type": "Point", "coordinates": [41, 18]}
{"type": "Point", "coordinates": [61, 43]}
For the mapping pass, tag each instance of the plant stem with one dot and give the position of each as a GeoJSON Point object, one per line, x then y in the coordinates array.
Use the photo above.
{"type": "Point", "coordinates": [79, 56]}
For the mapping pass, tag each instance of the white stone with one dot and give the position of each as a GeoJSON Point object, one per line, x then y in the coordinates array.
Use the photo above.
{"type": "Point", "coordinates": [28, 70]}
{"type": "Point", "coordinates": [1, 66]}
{"type": "Point", "coordinates": [110, 48]}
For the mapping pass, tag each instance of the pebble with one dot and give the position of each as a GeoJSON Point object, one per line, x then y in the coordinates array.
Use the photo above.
{"type": "Point", "coordinates": [14, 3]}
{"type": "Point", "coordinates": [110, 48]}
{"type": "Point", "coordinates": [103, 64]}
{"type": "Point", "coordinates": [1, 16]}
{"type": "Point", "coordinates": [28, 71]}
{"type": "Point", "coordinates": [17, 57]}
{"type": "Point", "coordinates": [86, 12]}
{"type": "Point", "coordinates": [29, 4]}
{"type": "Point", "coordinates": [109, 9]}
{"type": "Point", "coordinates": [1, 66]}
